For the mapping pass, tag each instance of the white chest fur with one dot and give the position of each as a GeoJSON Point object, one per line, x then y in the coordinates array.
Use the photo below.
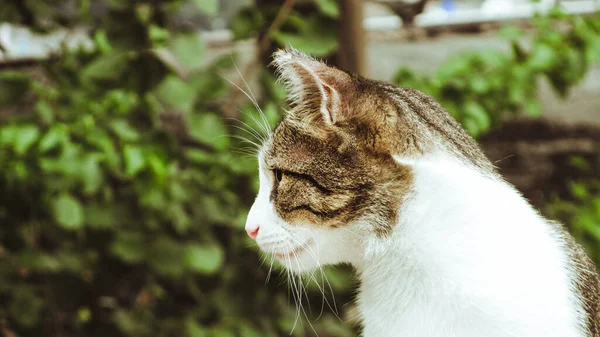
{"type": "Point", "coordinates": [469, 257]}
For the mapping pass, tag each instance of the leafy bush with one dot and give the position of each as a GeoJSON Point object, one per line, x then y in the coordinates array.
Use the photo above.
{"type": "Point", "coordinates": [121, 201]}
{"type": "Point", "coordinates": [480, 88]}
{"type": "Point", "coordinates": [580, 208]}
{"type": "Point", "coordinates": [314, 33]}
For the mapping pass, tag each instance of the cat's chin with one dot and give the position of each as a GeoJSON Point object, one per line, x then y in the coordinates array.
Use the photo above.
{"type": "Point", "coordinates": [299, 259]}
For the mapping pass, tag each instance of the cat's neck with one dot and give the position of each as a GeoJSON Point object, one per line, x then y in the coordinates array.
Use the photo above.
{"type": "Point", "coordinates": [460, 233]}
{"type": "Point", "coordinates": [448, 195]}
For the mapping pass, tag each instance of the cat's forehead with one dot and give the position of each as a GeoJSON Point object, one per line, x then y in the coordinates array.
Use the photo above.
{"type": "Point", "coordinates": [293, 146]}
{"type": "Point", "coordinates": [295, 149]}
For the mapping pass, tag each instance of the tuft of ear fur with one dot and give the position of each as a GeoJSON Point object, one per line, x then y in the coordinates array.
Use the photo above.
{"type": "Point", "coordinates": [311, 85]}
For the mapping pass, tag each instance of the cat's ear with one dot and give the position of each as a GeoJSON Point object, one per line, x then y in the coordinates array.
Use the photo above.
{"type": "Point", "coordinates": [312, 85]}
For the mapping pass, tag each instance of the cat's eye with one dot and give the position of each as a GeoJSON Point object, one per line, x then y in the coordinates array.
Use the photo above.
{"type": "Point", "coordinates": [278, 175]}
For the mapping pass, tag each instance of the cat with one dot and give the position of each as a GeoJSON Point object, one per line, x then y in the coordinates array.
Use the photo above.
{"type": "Point", "coordinates": [382, 177]}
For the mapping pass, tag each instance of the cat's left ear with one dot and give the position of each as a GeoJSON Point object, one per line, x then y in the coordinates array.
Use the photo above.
{"type": "Point", "coordinates": [312, 85]}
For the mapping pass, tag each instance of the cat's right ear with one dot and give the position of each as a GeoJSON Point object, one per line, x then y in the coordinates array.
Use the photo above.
{"type": "Point", "coordinates": [312, 86]}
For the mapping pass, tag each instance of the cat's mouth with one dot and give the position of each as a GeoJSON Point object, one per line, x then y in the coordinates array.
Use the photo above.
{"type": "Point", "coordinates": [295, 252]}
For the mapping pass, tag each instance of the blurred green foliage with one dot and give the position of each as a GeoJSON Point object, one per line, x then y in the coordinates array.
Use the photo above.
{"type": "Point", "coordinates": [480, 88]}
{"type": "Point", "coordinates": [122, 201]}
{"type": "Point", "coordinates": [580, 207]}
{"type": "Point", "coordinates": [315, 33]}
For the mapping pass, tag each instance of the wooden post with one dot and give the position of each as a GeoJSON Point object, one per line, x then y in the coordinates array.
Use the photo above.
{"type": "Point", "coordinates": [351, 54]}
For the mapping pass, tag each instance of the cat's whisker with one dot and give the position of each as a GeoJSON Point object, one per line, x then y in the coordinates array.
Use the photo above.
{"type": "Point", "coordinates": [250, 130]}
{"type": "Point", "coordinates": [246, 155]}
{"type": "Point", "coordinates": [254, 102]}
{"type": "Point", "coordinates": [242, 90]}
{"type": "Point", "coordinates": [324, 279]}
{"type": "Point", "coordinates": [245, 140]}
{"type": "Point", "coordinates": [242, 136]}
{"type": "Point", "coordinates": [270, 267]}
{"type": "Point", "coordinates": [264, 132]}
{"type": "Point", "coordinates": [266, 125]}
{"type": "Point", "coordinates": [298, 263]}
{"type": "Point", "coordinates": [294, 292]}
{"type": "Point", "coordinates": [248, 151]}
{"type": "Point", "coordinates": [297, 293]}
{"type": "Point", "coordinates": [300, 289]}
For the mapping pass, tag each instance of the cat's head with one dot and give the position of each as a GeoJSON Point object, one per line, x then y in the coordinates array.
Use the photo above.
{"type": "Point", "coordinates": [329, 180]}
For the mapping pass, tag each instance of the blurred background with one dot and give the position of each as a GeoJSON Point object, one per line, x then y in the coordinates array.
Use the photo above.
{"type": "Point", "coordinates": [125, 178]}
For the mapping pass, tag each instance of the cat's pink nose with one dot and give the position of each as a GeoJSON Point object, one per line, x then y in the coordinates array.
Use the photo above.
{"type": "Point", "coordinates": [253, 231]}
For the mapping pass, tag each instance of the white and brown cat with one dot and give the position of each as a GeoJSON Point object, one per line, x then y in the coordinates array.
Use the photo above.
{"type": "Point", "coordinates": [382, 177]}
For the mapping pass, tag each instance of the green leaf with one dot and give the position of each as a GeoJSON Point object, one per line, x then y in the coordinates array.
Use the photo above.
{"type": "Point", "coordinates": [193, 329]}
{"type": "Point", "coordinates": [189, 50]}
{"type": "Point", "coordinates": [134, 160]}
{"type": "Point", "coordinates": [208, 128]}
{"type": "Point", "coordinates": [167, 257]}
{"type": "Point", "coordinates": [84, 315]}
{"type": "Point", "coordinates": [542, 57]}
{"type": "Point", "coordinates": [316, 35]}
{"type": "Point", "coordinates": [246, 22]}
{"type": "Point", "coordinates": [68, 212]}
{"type": "Point", "coordinates": [25, 137]}
{"type": "Point", "coordinates": [158, 35]}
{"type": "Point", "coordinates": [106, 67]}
{"type": "Point", "coordinates": [511, 32]}
{"type": "Point", "coordinates": [102, 216]}
{"type": "Point", "coordinates": [124, 130]}
{"type": "Point", "coordinates": [221, 332]}
{"type": "Point", "coordinates": [205, 259]}
{"type": "Point", "coordinates": [56, 135]}
{"type": "Point", "coordinates": [130, 323]}
{"type": "Point", "coordinates": [479, 84]}
{"type": "Point", "coordinates": [215, 210]}
{"type": "Point", "coordinates": [579, 190]}
{"type": "Point", "coordinates": [208, 7]}
{"type": "Point", "coordinates": [69, 260]}
{"type": "Point", "coordinates": [579, 163]}
{"type": "Point", "coordinates": [8, 134]}
{"type": "Point", "coordinates": [340, 278]}
{"type": "Point", "coordinates": [208, 85]}
{"type": "Point", "coordinates": [45, 111]}
{"type": "Point", "coordinates": [91, 173]}
{"type": "Point", "coordinates": [102, 141]}
{"type": "Point", "coordinates": [157, 165]}
{"type": "Point", "coordinates": [128, 247]}
{"type": "Point", "coordinates": [471, 126]}
{"type": "Point", "coordinates": [319, 45]}
{"type": "Point", "coordinates": [247, 331]}
{"type": "Point", "coordinates": [328, 7]}
{"type": "Point", "coordinates": [176, 93]}
{"type": "Point", "coordinates": [25, 307]}
{"type": "Point", "coordinates": [533, 107]}
{"type": "Point", "coordinates": [143, 12]}
{"type": "Point", "coordinates": [13, 87]}
{"type": "Point", "coordinates": [101, 41]}
{"type": "Point", "coordinates": [478, 115]}
{"type": "Point", "coordinates": [169, 59]}
{"type": "Point", "coordinates": [180, 219]}
{"type": "Point", "coordinates": [39, 261]}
